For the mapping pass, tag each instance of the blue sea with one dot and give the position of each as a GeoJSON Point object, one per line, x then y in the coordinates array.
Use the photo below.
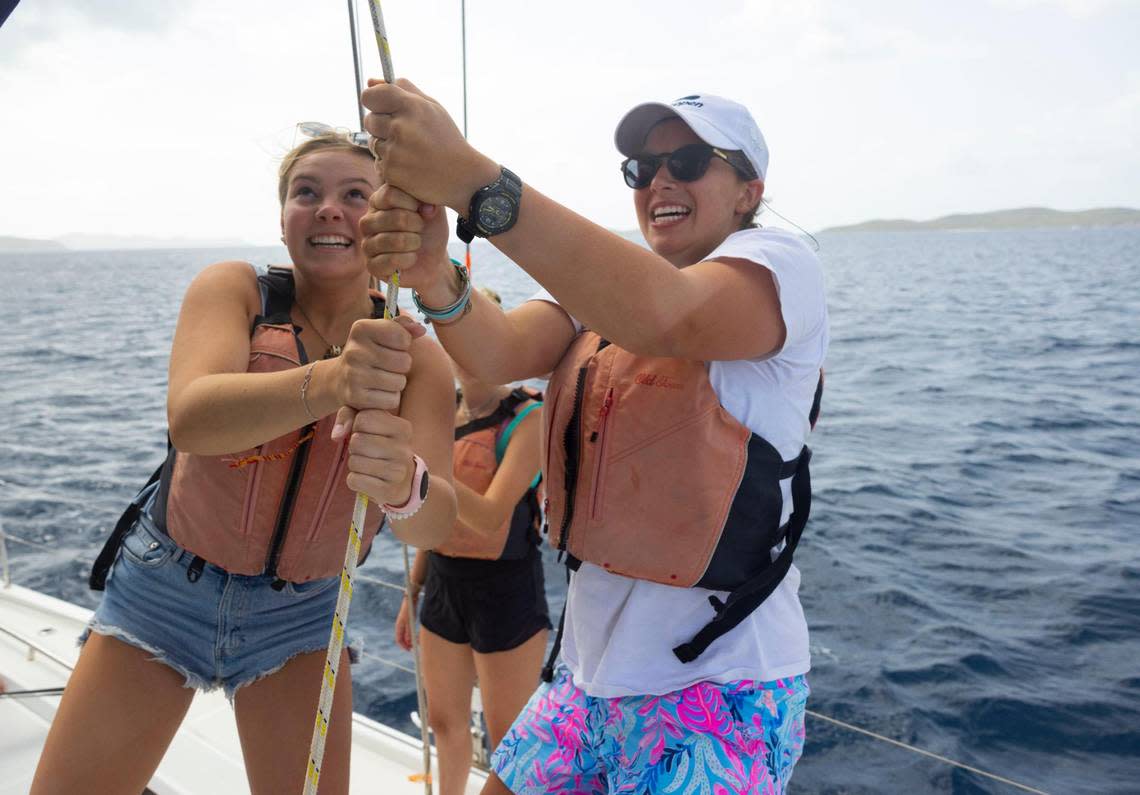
{"type": "Point", "coordinates": [971, 573]}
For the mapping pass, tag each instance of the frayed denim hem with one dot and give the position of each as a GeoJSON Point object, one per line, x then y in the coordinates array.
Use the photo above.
{"type": "Point", "coordinates": [193, 681]}
{"type": "Point", "coordinates": [355, 648]}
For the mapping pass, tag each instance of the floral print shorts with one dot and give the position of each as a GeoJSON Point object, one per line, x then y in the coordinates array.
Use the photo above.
{"type": "Point", "coordinates": [742, 737]}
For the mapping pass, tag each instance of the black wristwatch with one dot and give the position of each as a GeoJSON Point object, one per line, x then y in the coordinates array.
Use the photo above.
{"type": "Point", "coordinates": [493, 210]}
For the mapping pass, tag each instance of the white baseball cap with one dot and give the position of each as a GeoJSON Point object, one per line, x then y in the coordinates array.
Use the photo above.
{"type": "Point", "coordinates": [717, 121]}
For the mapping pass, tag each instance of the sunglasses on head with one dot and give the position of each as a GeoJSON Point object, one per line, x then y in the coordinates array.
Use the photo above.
{"type": "Point", "coordinates": [686, 164]}
{"type": "Point", "coordinates": [316, 129]}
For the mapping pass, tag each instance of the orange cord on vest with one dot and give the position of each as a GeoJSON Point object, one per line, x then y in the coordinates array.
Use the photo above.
{"type": "Point", "coordinates": [238, 463]}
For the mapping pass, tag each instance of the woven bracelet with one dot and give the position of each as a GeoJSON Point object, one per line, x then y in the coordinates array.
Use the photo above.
{"type": "Point", "coordinates": [452, 312]}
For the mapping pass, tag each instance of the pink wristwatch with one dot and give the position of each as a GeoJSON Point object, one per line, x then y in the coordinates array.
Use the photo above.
{"type": "Point", "coordinates": [420, 481]}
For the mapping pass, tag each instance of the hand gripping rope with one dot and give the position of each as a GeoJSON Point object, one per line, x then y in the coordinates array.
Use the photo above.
{"type": "Point", "coordinates": [352, 552]}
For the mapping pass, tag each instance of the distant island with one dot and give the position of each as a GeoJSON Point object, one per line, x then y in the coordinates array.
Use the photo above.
{"type": "Point", "coordinates": [1021, 218]}
{"type": "Point", "coordinates": [87, 242]}
{"type": "Point", "coordinates": [29, 244]}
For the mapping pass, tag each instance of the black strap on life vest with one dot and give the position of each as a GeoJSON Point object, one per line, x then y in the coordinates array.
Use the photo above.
{"type": "Point", "coordinates": [548, 669]}
{"type": "Point", "coordinates": [745, 599]}
{"type": "Point", "coordinates": [97, 580]}
{"type": "Point", "coordinates": [278, 294]}
{"type": "Point", "coordinates": [817, 401]}
{"type": "Point", "coordinates": [506, 410]}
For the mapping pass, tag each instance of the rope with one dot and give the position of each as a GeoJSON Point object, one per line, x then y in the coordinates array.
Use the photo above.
{"type": "Point", "coordinates": [386, 661]}
{"type": "Point", "coordinates": [374, 581]}
{"type": "Point", "coordinates": [352, 553]}
{"type": "Point", "coordinates": [353, 35]}
{"type": "Point", "coordinates": [336, 644]}
{"type": "Point", "coordinates": [943, 759]}
{"type": "Point", "coordinates": [463, 28]}
{"type": "Point", "coordinates": [5, 576]}
{"type": "Point", "coordinates": [28, 542]}
{"type": "Point", "coordinates": [421, 691]}
{"type": "Point", "coordinates": [38, 693]}
{"type": "Point", "coordinates": [241, 463]}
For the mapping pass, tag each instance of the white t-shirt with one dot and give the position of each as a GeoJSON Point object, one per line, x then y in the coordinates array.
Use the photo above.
{"type": "Point", "coordinates": [620, 632]}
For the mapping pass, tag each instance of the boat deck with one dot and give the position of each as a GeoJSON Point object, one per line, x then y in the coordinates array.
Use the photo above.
{"type": "Point", "coordinates": [205, 756]}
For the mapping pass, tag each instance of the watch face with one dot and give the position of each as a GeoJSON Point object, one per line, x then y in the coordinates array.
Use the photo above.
{"type": "Point", "coordinates": [496, 213]}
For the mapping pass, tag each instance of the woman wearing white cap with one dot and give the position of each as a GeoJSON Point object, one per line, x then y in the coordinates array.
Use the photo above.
{"type": "Point", "coordinates": [685, 380]}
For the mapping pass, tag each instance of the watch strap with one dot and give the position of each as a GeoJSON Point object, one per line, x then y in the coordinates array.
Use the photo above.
{"type": "Point", "coordinates": [467, 229]}
{"type": "Point", "coordinates": [420, 482]}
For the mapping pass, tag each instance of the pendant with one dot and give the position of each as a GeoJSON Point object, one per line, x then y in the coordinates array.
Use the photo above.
{"type": "Point", "coordinates": [333, 352]}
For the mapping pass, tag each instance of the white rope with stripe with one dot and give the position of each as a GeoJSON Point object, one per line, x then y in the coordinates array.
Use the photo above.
{"type": "Point", "coordinates": [352, 553]}
{"type": "Point", "coordinates": [336, 644]}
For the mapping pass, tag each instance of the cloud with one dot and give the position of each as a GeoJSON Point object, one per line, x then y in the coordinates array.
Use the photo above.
{"type": "Point", "coordinates": [813, 30]}
{"type": "Point", "coordinates": [125, 15]}
{"type": "Point", "coordinates": [36, 22]}
{"type": "Point", "coordinates": [1078, 9]}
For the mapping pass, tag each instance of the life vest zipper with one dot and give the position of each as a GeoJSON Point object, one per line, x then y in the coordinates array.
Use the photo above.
{"type": "Point", "coordinates": [285, 513]}
{"type": "Point", "coordinates": [571, 442]}
{"type": "Point", "coordinates": [248, 503]}
{"type": "Point", "coordinates": [300, 456]}
{"type": "Point", "coordinates": [599, 438]}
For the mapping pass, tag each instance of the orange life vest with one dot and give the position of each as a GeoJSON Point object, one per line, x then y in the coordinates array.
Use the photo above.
{"type": "Point", "coordinates": [479, 449]}
{"type": "Point", "coordinates": [648, 476]}
{"type": "Point", "coordinates": [282, 508]}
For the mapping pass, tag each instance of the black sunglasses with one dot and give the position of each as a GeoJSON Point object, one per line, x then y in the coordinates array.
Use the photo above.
{"type": "Point", "coordinates": [686, 164]}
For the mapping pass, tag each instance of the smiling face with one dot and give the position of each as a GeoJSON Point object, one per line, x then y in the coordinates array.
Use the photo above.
{"type": "Point", "coordinates": [685, 221]}
{"type": "Point", "coordinates": [325, 197]}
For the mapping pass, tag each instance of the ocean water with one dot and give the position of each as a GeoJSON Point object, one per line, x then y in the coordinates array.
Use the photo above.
{"type": "Point", "coordinates": [971, 572]}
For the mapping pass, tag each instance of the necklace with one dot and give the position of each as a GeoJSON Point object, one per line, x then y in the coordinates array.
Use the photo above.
{"type": "Point", "coordinates": [332, 351]}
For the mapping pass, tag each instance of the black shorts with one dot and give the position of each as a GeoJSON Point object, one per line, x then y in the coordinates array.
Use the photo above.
{"type": "Point", "coordinates": [491, 605]}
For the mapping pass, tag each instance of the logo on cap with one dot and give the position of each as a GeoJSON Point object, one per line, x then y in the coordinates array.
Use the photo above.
{"type": "Point", "coordinates": [692, 99]}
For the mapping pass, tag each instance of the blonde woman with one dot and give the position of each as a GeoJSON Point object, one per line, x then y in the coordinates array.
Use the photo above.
{"type": "Point", "coordinates": [223, 572]}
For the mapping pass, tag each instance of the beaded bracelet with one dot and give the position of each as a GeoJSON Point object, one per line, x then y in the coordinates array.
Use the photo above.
{"type": "Point", "coordinates": [448, 314]}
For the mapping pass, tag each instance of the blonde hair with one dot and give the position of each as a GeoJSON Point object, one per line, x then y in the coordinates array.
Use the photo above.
{"type": "Point", "coordinates": [333, 141]}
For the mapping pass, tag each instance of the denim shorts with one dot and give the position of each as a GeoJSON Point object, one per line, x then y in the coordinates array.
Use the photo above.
{"type": "Point", "coordinates": [740, 738]}
{"type": "Point", "coordinates": [224, 630]}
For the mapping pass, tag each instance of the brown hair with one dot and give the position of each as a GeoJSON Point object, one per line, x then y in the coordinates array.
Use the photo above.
{"type": "Point", "coordinates": [745, 173]}
{"type": "Point", "coordinates": [334, 141]}
{"type": "Point", "coordinates": [749, 218]}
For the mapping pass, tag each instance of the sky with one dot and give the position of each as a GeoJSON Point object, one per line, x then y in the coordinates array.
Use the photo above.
{"type": "Point", "coordinates": [132, 117]}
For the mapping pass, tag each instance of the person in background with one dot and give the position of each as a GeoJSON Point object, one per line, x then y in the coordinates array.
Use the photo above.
{"type": "Point", "coordinates": [686, 378]}
{"type": "Point", "coordinates": [288, 392]}
{"type": "Point", "coordinates": [484, 615]}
